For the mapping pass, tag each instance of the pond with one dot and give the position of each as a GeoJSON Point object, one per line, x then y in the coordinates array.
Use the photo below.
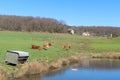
{"type": "Point", "coordinates": [94, 69]}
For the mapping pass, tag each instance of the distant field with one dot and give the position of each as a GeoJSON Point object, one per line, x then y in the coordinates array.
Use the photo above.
{"type": "Point", "coordinates": [23, 41]}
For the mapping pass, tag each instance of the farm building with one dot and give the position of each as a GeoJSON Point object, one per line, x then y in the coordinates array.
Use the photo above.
{"type": "Point", "coordinates": [85, 34]}
{"type": "Point", "coordinates": [71, 31]}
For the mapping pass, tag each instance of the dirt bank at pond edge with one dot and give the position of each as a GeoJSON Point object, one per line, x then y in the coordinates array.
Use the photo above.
{"type": "Point", "coordinates": [41, 68]}
{"type": "Point", "coordinates": [110, 55]}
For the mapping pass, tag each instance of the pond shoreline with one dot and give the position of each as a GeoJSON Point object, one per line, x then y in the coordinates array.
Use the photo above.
{"type": "Point", "coordinates": [41, 68]}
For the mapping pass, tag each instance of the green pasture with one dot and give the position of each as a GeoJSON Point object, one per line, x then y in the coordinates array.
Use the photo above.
{"type": "Point", "coordinates": [23, 40]}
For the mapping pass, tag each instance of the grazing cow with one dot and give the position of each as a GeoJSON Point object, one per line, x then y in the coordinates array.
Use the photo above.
{"type": "Point", "coordinates": [47, 45]}
{"type": "Point", "coordinates": [69, 46]}
{"type": "Point", "coordinates": [36, 47]}
{"type": "Point", "coordinates": [66, 46]}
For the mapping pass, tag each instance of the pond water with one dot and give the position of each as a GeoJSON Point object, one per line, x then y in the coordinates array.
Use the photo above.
{"type": "Point", "coordinates": [89, 70]}
{"type": "Point", "coordinates": [85, 70]}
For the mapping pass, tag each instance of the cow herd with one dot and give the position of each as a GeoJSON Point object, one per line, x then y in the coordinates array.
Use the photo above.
{"type": "Point", "coordinates": [47, 45]}
{"type": "Point", "coordinates": [66, 46]}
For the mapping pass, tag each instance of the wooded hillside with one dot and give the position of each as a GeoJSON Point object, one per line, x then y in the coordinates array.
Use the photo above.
{"type": "Point", "coordinates": [20, 23]}
{"type": "Point", "coordinates": [28, 23]}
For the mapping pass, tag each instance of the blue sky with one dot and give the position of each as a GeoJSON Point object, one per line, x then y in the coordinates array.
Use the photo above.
{"type": "Point", "coordinates": [72, 12]}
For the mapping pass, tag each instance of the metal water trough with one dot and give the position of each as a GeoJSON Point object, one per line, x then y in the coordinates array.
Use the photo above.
{"type": "Point", "coordinates": [15, 57]}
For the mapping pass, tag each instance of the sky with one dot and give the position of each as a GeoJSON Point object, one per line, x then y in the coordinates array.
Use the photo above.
{"type": "Point", "coordinates": [71, 12]}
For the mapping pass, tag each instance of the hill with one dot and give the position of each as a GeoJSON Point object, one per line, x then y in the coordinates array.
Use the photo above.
{"type": "Point", "coordinates": [30, 24]}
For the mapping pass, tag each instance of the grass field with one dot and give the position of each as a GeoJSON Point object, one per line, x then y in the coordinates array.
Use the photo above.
{"type": "Point", "coordinates": [23, 41]}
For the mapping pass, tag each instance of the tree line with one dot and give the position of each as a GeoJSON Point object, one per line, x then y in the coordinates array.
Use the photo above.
{"type": "Point", "coordinates": [98, 30]}
{"type": "Point", "coordinates": [21, 23]}
{"type": "Point", "coordinates": [30, 24]}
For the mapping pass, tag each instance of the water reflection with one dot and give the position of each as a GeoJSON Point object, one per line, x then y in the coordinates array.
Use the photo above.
{"type": "Point", "coordinates": [89, 70]}
{"type": "Point", "coordinates": [32, 77]}
{"type": "Point", "coordinates": [107, 64]}
{"type": "Point", "coordinates": [94, 69]}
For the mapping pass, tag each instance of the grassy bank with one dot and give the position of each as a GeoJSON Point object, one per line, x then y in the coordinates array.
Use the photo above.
{"type": "Point", "coordinates": [41, 68]}
{"type": "Point", "coordinates": [23, 41]}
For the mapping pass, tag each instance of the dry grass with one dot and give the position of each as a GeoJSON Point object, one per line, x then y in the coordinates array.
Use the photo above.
{"type": "Point", "coordinates": [55, 65]}
{"type": "Point", "coordinates": [41, 68]}
{"type": "Point", "coordinates": [65, 62]}
{"type": "Point", "coordinates": [2, 73]}
{"type": "Point", "coordinates": [107, 55]}
{"type": "Point", "coordinates": [33, 68]}
{"type": "Point", "coordinates": [73, 59]}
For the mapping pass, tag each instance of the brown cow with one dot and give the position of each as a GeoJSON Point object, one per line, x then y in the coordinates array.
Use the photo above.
{"type": "Point", "coordinates": [69, 46]}
{"type": "Point", "coordinates": [36, 47]}
{"type": "Point", "coordinates": [66, 46]}
{"type": "Point", "coordinates": [47, 45]}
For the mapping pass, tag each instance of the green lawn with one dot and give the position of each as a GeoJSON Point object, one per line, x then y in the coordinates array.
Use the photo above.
{"type": "Point", "coordinates": [23, 41]}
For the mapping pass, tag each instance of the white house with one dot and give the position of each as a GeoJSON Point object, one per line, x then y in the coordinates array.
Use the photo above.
{"type": "Point", "coordinates": [85, 34]}
{"type": "Point", "coordinates": [71, 31]}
